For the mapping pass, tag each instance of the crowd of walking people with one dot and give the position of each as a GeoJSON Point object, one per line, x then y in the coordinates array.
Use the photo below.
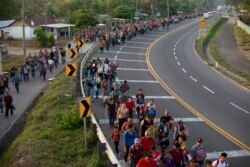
{"type": "Point", "coordinates": [146, 143]}
{"type": "Point", "coordinates": [38, 64]}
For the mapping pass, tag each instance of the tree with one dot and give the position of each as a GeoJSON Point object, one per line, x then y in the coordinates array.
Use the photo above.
{"type": "Point", "coordinates": [124, 12]}
{"type": "Point", "coordinates": [86, 17]}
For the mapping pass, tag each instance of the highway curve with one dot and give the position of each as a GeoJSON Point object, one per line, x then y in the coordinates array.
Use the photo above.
{"type": "Point", "coordinates": [222, 104]}
{"type": "Point", "coordinates": [136, 66]}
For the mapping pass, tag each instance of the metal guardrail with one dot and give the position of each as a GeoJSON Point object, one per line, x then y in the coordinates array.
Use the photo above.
{"type": "Point", "coordinates": [110, 153]}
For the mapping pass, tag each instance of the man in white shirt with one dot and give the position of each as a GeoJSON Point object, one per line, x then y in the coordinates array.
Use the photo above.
{"type": "Point", "coordinates": [222, 161]}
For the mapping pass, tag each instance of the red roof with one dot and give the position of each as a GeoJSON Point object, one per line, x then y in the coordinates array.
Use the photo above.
{"type": "Point", "coordinates": [40, 20]}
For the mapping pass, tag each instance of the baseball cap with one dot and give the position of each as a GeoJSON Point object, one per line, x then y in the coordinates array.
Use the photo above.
{"type": "Point", "coordinates": [137, 140]}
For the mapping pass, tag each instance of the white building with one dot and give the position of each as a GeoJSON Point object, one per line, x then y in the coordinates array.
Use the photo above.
{"type": "Point", "coordinates": [12, 28]}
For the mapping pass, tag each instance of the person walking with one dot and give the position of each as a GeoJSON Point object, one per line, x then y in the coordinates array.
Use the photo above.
{"type": "Point", "coordinates": [16, 80]}
{"type": "Point", "coordinates": [135, 152]}
{"type": "Point", "coordinates": [116, 138]}
{"type": "Point", "coordinates": [43, 72]}
{"type": "Point", "coordinates": [198, 152]}
{"type": "Point", "coordinates": [222, 161]}
{"type": "Point", "coordinates": [128, 137]}
{"type": "Point", "coordinates": [8, 101]}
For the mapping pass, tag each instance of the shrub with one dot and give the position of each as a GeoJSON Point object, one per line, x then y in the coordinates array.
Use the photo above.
{"type": "Point", "coordinates": [70, 120]}
{"type": "Point", "coordinates": [51, 40]}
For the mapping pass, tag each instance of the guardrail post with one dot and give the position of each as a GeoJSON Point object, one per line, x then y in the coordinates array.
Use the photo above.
{"type": "Point", "coordinates": [93, 128]}
{"type": "Point", "coordinates": [101, 147]}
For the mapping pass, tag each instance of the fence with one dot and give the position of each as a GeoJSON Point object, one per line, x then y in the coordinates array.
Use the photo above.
{"type": "Point", "coordinates": [110, 153]}
{"type": "Point", "coordinates": [243, 26]}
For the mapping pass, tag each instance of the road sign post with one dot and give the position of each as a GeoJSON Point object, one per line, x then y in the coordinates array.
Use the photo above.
{"type": "Point", "coordinates": [85, 111]}
{"type": "Point", "coordinates": [80, 44]}
{"type": "Point", "coordinates": [71, 71]}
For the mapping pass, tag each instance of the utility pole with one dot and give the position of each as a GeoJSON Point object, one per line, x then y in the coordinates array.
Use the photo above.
{"type": "Point", "coordinates": [152, 10]}
{"type": "Point", "coordinates": [24, 49]}
{"type": "Point", "coordinates": [45, 19]}
{"type": "Point", "coordinates": [168, 7]}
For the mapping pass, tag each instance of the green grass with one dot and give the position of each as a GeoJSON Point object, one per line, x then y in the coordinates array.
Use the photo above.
{"type": "Point", "coordinates": [53, 134]}
{"type": "Point", "coordinates": [12, 61]}
{"type": "Point", "coordinates": [212, 37]}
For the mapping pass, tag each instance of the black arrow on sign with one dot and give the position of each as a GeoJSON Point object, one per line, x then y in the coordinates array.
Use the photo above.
{"type": "Point", "coordinates": [72, 69]}
{"type": "Point", "coordinates": [87, 107]}
{"type": "Point", "coordinates": [81, 43]}
{"type": "Point", "coordinates": [73, 53]}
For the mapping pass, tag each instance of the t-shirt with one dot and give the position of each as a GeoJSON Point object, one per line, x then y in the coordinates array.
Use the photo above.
{"type": "Point", "coordinates": [130, 105]}
{"type": "Point", "coordinates": [147, 143]}
{"type": "Point", "coordinates": [224, 164]}
{"type": "Point", "coordinates": [144, 163]}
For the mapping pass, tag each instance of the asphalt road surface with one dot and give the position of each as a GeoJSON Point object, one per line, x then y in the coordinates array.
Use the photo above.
{"type": "Point", "coordinates": [191, 80]}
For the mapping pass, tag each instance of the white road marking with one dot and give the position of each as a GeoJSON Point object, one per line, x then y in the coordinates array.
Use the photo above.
{"type": "Point", "coordinates": [179, 63]}
{"type": "Point", "coordinates": [147, 38]}
{"type": "Point", "coordinates": [208, 89]}
{"type": "Point", "coordinates": [135, 47]}
{"type": "Point", "coordinates": [129, 60]}
{"type": "Point", "coordinates": [175, 45]}
{"type": "Point", "coordinates": [139, 81]}
{"type": "Point", "coordinates": [156, 120]}
{"type": "Point", "coordinates": [184, 70]}
{"type": "Point", "coordinates": [127, 53]}
{"type": "Point", "coordinates": [230, 154]}
{"type": "Point", "coordinates": [132, 69]}
{"type": "Point", "coordinates": [239, 108]}
{"type": "Point", "coordinates": [195, 80]}
{"type": "Point", "coordinates": [153, 35]}
{"type": "Point", "coordinates": [121, 48]}
{"type": "Point", "coordinates": [140, 42]}
{"type": "Point", "coordinates": [174, 48]}
{"type": "Point", "coordinates": [174, 53]}
{"type": "Point", "coordinates": [177, 42]}
{"type": "Point", "coordinates": [175, 58]}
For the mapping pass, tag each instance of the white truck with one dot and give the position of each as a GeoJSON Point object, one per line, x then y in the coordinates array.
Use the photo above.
{"type": "Point", "coordinates": [206, 15]}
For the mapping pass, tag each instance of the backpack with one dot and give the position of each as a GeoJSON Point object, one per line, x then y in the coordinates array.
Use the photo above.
{"type": "Point", "coordinates": [151, 113]}
{"type": "Point", "coordinates": [135, 154]}
{"type": "Point", "coordinates": [201, 154]}
{"type": "Point", "coordinates": [217, 163]}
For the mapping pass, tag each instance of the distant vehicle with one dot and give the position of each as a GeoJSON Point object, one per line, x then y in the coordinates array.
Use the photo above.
{"type": "Point", "coordinates": [206, 15]}
{"type": "Point", "coordinates": [219, 8]}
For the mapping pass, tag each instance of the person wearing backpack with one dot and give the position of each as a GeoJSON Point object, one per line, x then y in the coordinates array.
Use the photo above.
{"type": "Point", "coordinates": [222, 161]}
{"type": "Point", "coordinates": [136, 152]}
{"type": "Point", "coordinates": [198, 152]}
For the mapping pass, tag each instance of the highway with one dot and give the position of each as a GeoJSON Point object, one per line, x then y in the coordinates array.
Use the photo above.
{"type": "Point", "coordinates": [169, 71]}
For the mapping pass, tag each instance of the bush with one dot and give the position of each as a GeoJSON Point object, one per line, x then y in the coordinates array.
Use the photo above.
{"type": "Point", "coordinates": [41, 37]}
{"type": "Point", "coordinates": [51, 40]}
{"type": "Point", "coordinates": [70, 120]}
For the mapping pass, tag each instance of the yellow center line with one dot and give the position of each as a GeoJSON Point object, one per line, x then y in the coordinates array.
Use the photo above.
{"type": "Point", "coordinates": [184, 103]}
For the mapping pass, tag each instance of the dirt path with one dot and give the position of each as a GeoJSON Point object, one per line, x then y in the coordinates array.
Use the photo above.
{"type": "Point", "coordinates": [229, 49]}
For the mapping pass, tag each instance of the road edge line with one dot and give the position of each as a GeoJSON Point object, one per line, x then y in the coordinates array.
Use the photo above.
{"type": "Point", "coordinates": [183, 102]}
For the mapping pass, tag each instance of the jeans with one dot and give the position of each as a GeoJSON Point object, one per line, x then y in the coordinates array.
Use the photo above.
{"type": "Point", "coordinates": [111, 117]}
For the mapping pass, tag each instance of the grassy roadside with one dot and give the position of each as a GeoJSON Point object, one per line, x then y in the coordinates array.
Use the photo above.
{"type": "Point", "coordinates": [243, 41]}
{"type": "Point", "coordinates": [12, 61]}
{"type": "Point", "coordinates": [211, 40]}
{"type": "Point", "coordinates": [53, 134]}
